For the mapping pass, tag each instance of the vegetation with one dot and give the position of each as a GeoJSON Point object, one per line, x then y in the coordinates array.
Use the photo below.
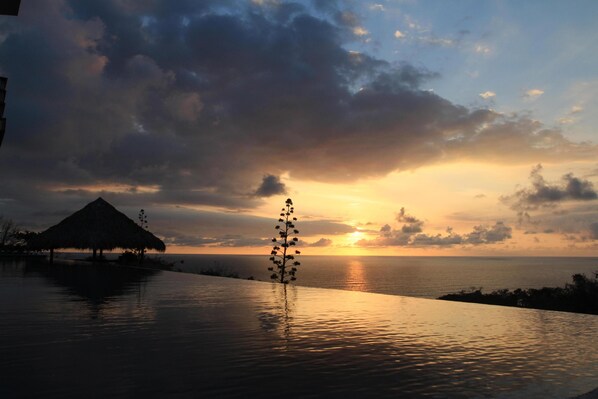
{"type": "Point", "coordinates": [142, 218]}
{"type": "Point", "coordinates": [285, 265]}
{"type": "Point", "coordinates": [581, 296]}
{"type": "Point", "coordinates": [13, 240]}
{"type": "Point", "coordinates": [219, 272]}
{"type": "Point", "coordinates": [136, 256]}
{"type": "Point", "coordinates": [142, 222]}
{"type": "Point", "coordinates": [8, 230]}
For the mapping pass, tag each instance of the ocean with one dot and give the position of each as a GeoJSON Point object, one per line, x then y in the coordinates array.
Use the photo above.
{"type": "Point", "coordinates": [425, 277]}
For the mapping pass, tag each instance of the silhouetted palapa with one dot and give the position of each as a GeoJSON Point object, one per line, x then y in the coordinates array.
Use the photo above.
{"type": "Point", "coordinates": [98, 225]}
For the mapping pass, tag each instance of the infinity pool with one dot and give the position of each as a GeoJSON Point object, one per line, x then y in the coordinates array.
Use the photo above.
{"type": "Point", "coordinates": [85, 331]}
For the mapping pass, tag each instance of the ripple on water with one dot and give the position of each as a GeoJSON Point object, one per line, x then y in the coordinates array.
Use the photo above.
{"type": "Point", "coordinates": [181, 335]}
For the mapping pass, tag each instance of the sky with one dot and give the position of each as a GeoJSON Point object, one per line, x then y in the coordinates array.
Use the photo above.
{"type": "Point", "coordinates": [400, 127]}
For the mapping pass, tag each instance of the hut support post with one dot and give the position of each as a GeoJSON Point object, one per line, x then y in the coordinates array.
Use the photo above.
{"type": "Point", "coordinates": [94, 254]}
{"type": "Point", "coordinates": [51, 255]}
{"type": "Point", "coordinates": [101, 253]}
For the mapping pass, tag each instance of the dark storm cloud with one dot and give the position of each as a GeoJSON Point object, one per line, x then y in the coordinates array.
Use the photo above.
{"type": "Point", "coordinates": [410, 234]}
{"type": "Point", "coordinates": [201, 99]}
{"type": "Point", "coordinates": [594, 231]}
{"type": "Point", "coordinates": [543, 194]}
{"type": "Point", "coordinates": [271, 185]}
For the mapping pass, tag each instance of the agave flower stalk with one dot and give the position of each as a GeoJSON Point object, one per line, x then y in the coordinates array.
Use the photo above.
{"type": "Point", "coordinates": [285, 265]}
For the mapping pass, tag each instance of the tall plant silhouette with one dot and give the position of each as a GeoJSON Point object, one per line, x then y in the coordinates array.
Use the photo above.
{"type": "Point", "coordinates": [142, 217]}
{"type": "Point", "coordinates": [285, 265]}
{"type": "Point", "coordinates": [142, 222]}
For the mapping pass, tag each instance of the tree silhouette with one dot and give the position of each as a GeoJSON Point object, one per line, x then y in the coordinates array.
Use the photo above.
{"type": "Point", "coordinates": [8, 231]}
{"type": "Point", "coordinates": [285, 265]}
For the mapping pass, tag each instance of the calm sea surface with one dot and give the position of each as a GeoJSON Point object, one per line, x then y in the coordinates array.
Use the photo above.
{"type": "Point", "coordinates": [78, 330]}
{"type": "Point", "coordinates": [426, 277]}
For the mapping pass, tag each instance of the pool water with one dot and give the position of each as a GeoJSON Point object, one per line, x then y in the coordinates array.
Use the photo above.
{"type": "Point", "coordinates": [85, 331]}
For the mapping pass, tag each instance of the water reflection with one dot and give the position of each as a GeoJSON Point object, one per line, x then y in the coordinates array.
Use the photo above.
{"type": "Point", "coordinates": [399, 344]}
{"type": "Point", "coordinates": [356, 279]}
{"type": "Point", "coordinates": [96, 285]}
{"type": "Point", "coordinates": [277, 315]}
{"type": "Point", "coordinates": [214, 337]}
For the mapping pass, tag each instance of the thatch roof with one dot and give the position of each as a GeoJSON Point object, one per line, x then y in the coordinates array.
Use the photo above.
{"type": "Point", "coordinates": [97, 226]}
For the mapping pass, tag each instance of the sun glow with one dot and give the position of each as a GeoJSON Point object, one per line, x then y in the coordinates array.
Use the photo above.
{"type": "Point", "coordinates": [355, 237]}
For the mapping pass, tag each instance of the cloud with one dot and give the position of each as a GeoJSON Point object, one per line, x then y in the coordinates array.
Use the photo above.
{"type": "Point", "coordinates": [411, 234]}
{"type": "Point", "coordinates": [411, 224]}
{"type": "Point", "coordinates": [487, 235]}
{"type": "Point", "coordinates": [487, 94]}
{"type": "Point", "coordinates": [322, 242]}
{"type": "Point", "coordinates": [586, 233]}
{"type": "Point", "coordinates": [377, 7]}
{"type": "Point", "coordinates": [533, 93]}
{"type": "Point", "coordinates": [425, 240]}
{"type": "Point", "coordinates": [399, 35]}
{"type": "Point", "coordinates": [189, 227]}
{"type": "Point", "coordinates": [184, 106]}
{"type": "Point", "coordinates": [572, 115]}
{"type": "Point", "coordinates": [482, 49]}
{"type": "Point", "coordinates": [543, 194]}
{"type": "Point", "coordinates": [271, 185]}
{"type": "Point", "coordinates": [327, 227]}
{"type": "Point", "coordinates": [360, 31]}
{"type": "Point", "coordinates": [566, 207]}
{"type": "Point", "coordinates": [227, 241]}
{"type": "Point", "coordinates": [430, 39]}
{"type": "Point", "coordinates": [566, 120]}
{"type": "Point", "coordinates": [198, 99]}
{"type": "Point", "coordinates": [437, 41]}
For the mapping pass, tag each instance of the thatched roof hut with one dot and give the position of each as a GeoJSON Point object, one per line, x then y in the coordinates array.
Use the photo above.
{"type": "Point", "coordinates": [98, 226]}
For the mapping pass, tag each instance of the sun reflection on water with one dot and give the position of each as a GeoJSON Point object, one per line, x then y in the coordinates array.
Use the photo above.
{"type": "Point", "coordinates": [356, 279]}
